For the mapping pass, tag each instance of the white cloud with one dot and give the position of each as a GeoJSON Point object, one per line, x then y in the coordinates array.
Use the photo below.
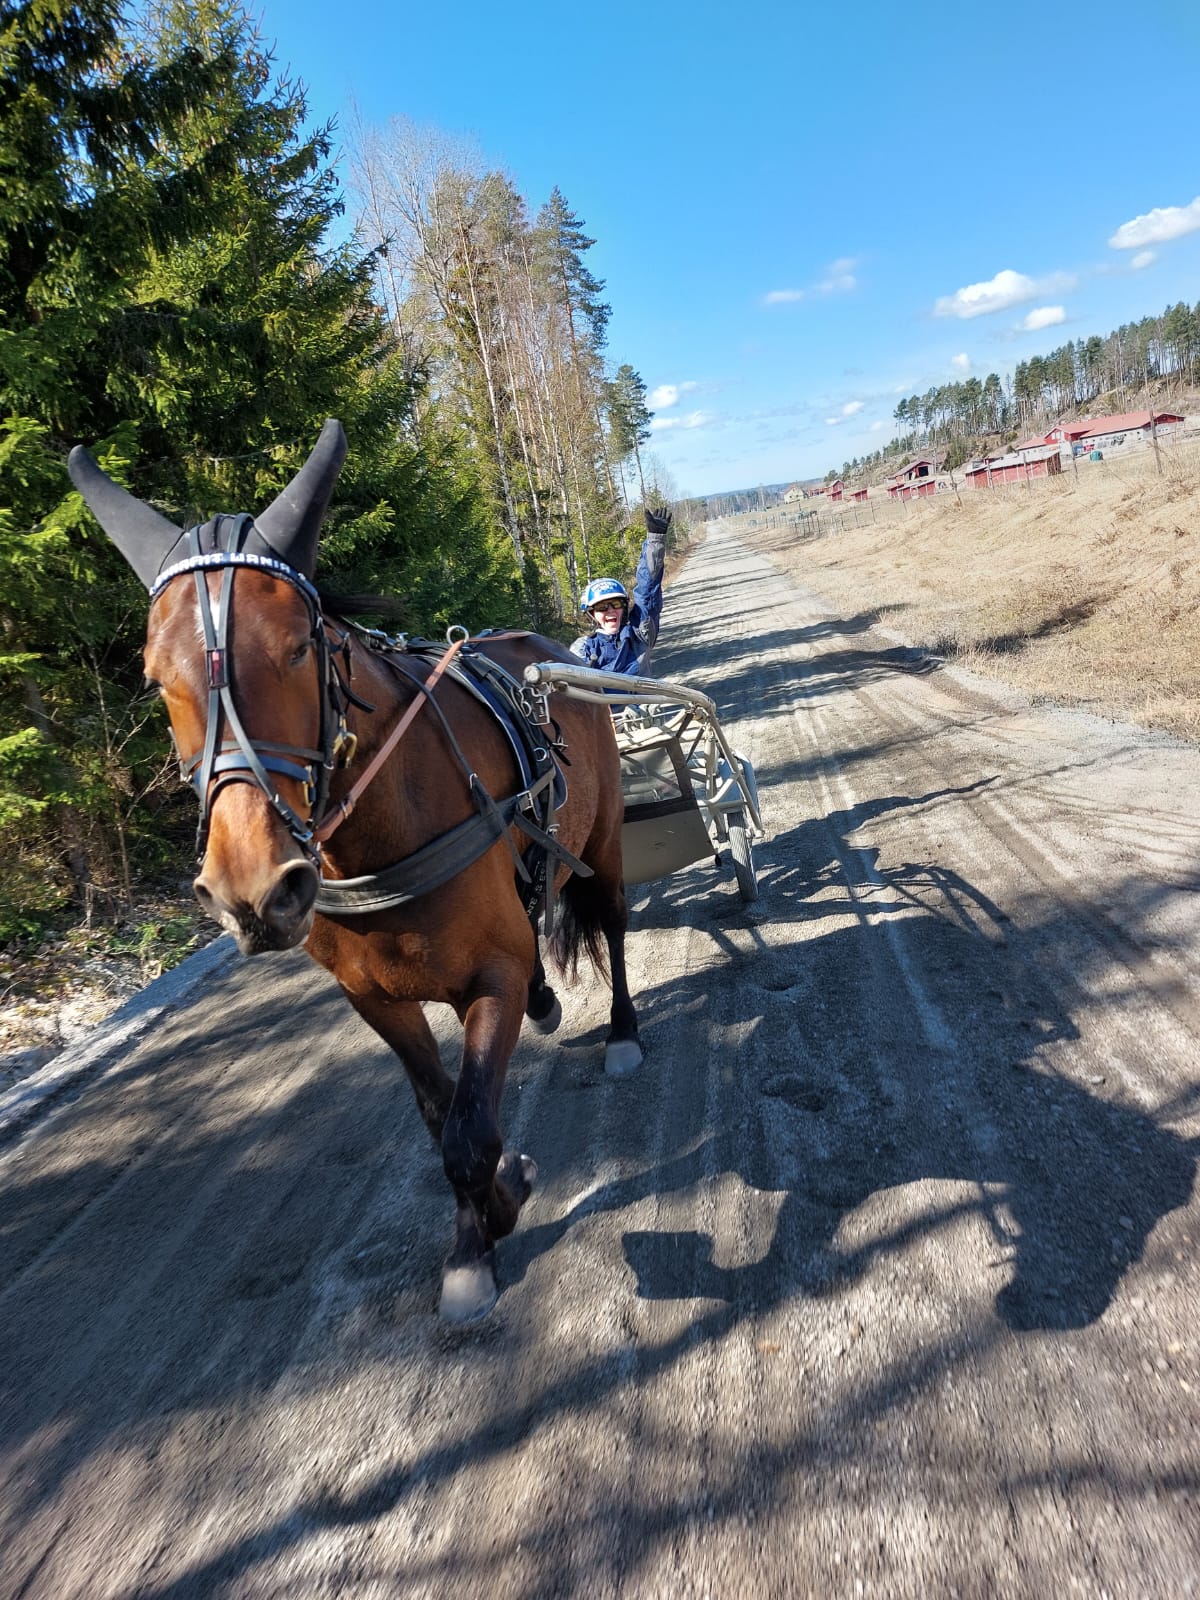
{"type": "Point", "coordinates": [1144, 258]}
{"type": "Point", "coordinates": [838, 278]}
{"type": "Point", "coordinates": [1043, 317]}
{"type": "Point", "coordinates": [851, 407]}
{"type": "Point", "coordinates": [667, 394]}
{"type": "Point", "coordinates": [1157, 226]}
{"type": "Point", "coordinates": [833, 422]}
{"type": "Point", "coordinates": [693, 419]}
{"type": "Point", "coordinates": [878, 427]}
{"type": "Point", "coordinates": [1007, 288]}
{"type": "Point", "coordinates": [961, 362]}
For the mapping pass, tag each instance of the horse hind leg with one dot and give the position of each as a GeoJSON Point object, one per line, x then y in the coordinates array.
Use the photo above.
{"type": "Point", "coordinates": [542, 1007]}
{"type": "Point", "coordinates": [594, 910]}
{"type": "Point", "coordinates": [623, 1051]}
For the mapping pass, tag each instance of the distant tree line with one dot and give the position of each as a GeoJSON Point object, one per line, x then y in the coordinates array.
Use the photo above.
{"type": "Point", "coordinates": [172, 295]}
{"type": "Point", "coordinates": [1153, 353]}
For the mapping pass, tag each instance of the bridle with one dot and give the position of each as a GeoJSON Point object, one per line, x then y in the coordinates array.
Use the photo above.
{"type": "Point", "coordinates": [232, 756]}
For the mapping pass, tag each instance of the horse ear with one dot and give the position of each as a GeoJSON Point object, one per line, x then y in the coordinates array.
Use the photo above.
{"type": "Point", "coordinates": [291, 524]}
{"type": "Point", "coordinates": [139, 533]}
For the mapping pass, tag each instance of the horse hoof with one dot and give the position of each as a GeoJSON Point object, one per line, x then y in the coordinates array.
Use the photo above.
{"type": "Point", "coordinates": [469, 1292]}
{"type": "Point", "coordinates": [622, 1057]}
{"type": "Point", "coordinates": [550, 1022]}
{"type": "Point", "coordinates": [519, 1174]}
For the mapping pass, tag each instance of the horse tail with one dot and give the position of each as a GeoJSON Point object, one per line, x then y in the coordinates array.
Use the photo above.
{"type": "Point", "coordinates": [581, 926]}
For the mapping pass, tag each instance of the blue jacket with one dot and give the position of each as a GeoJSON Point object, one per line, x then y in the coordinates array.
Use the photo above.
{"type": "Point", "coordinates": [627, 650]}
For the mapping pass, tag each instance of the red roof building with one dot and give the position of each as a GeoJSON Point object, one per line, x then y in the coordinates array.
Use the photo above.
{"type": "Point", "coordinates": [1044, 462]}
{"type": "Point", "coordinates": [924, 467]}
{"type": "Point", "coordinates": [918, 489]}
{"type": "Point", "coordinates": [835, 489]}
{"type": "Point", "coordinates": [1092, 431]}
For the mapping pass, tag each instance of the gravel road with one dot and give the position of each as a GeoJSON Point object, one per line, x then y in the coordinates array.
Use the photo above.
{"type": "Point", "coordinates": [881, 1278]}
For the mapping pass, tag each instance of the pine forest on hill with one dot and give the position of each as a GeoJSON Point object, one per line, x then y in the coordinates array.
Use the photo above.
{"type": "Point", "coordinates": [1138, 364]}
{"type": "Point", "coordinates": [173, 293]}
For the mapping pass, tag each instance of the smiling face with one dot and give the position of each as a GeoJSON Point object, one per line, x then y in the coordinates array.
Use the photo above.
{"type": "Point", "coordinates": [609, 616]}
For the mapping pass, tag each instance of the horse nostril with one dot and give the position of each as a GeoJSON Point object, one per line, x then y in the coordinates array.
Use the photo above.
{"type": "Point", "coordinates": [207, 903]}
{"type": "Point", "coordinates": [291, 897]}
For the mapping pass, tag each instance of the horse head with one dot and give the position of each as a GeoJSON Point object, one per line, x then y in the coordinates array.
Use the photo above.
{"type": "Point", "coordinates": [235, 642]}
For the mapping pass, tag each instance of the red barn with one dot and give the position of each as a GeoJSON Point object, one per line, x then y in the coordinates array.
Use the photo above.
{"type": "Point", "coordinates": [835, 489]}
{"type": "Point", "coordinates": [859, 494]}
{"type": "Point", "coordinates": [924, 468]}
{"type": "Point", "coordinates": [918, 489]}
{"type": "Point", "coordinates": [1018, 468]}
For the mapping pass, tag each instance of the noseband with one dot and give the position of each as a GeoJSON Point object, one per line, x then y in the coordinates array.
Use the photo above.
{"type": "Point", "coordinates": [234, 757]}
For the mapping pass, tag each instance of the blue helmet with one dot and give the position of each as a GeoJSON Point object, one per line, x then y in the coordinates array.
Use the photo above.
{"type": "Point", "coordinates": [602, 589]}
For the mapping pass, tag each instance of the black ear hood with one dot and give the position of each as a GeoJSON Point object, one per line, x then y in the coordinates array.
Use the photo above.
{"type": "Point", "coordinates": [288, 529]}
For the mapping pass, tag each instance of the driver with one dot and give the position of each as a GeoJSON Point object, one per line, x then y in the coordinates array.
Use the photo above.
{"type": "Point", "coordinates": [624, 633]}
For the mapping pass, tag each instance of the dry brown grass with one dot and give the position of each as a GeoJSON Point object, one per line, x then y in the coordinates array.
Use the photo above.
{"type": "Point", "coordinates": [1082, 591]}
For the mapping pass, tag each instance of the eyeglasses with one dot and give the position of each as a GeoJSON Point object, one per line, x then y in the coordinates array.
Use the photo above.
{"type": "Point", "coordinates": [602, 606]}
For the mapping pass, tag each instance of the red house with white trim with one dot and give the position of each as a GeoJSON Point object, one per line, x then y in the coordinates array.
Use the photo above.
{"type": "Point", "coordinates": [1094, 433]}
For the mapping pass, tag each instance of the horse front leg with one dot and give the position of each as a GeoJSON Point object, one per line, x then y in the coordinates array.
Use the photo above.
{"type": "Point", "coordinates": [403, 1025]}
{"type": "Point", "coordinates": [490, 1186]}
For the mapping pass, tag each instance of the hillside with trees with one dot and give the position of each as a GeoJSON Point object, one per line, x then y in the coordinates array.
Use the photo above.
{"type": "Point", "coordinates": [180, 291]}
{"type": "Point", "coordinates": [1151, 361]}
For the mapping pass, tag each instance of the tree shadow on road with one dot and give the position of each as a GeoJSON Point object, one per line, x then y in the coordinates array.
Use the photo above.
{"type": "Point", "coordinates": [1069, 1182]}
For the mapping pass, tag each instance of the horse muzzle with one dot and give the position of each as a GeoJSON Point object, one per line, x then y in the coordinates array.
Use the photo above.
{"type": "Point", "coordinates": [280, 916]}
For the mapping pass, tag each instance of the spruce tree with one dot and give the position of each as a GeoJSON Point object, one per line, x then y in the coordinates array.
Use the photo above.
{"type": "Point", "coordinates": [171, 299]}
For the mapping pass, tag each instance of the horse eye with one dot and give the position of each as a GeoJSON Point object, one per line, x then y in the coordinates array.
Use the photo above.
{"type": "Point", "coordinates": [297, 656]}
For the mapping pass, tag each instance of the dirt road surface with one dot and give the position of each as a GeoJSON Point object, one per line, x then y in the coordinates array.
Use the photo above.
{"type": "Point", "coordinates": [882, 1277]}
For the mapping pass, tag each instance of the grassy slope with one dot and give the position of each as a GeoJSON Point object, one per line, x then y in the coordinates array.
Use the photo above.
{"type": "Point", "coordinates": [1082, 591]}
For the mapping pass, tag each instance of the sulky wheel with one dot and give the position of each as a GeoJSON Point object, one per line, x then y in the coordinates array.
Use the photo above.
{"type": "Point", "coordinates": [743, 855]}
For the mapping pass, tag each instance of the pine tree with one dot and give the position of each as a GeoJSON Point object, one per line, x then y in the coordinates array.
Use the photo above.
{"type": "Point", "coordinates": [628, 417]}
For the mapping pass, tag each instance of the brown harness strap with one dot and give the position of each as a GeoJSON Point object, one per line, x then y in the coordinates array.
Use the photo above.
{"type": "Point", "coordinates": [346, 805]}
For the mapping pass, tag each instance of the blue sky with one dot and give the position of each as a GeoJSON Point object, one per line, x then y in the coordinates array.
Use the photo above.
{"type": "Point", "coordinates": [803, 212]}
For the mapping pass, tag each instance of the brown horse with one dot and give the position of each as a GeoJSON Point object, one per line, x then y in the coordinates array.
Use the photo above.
{"type": "Point", "coordinates": [276, 710]}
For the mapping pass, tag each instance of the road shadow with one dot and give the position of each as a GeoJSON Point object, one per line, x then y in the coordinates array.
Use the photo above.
{"type": "Point", "coordinates": [778, 670]}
